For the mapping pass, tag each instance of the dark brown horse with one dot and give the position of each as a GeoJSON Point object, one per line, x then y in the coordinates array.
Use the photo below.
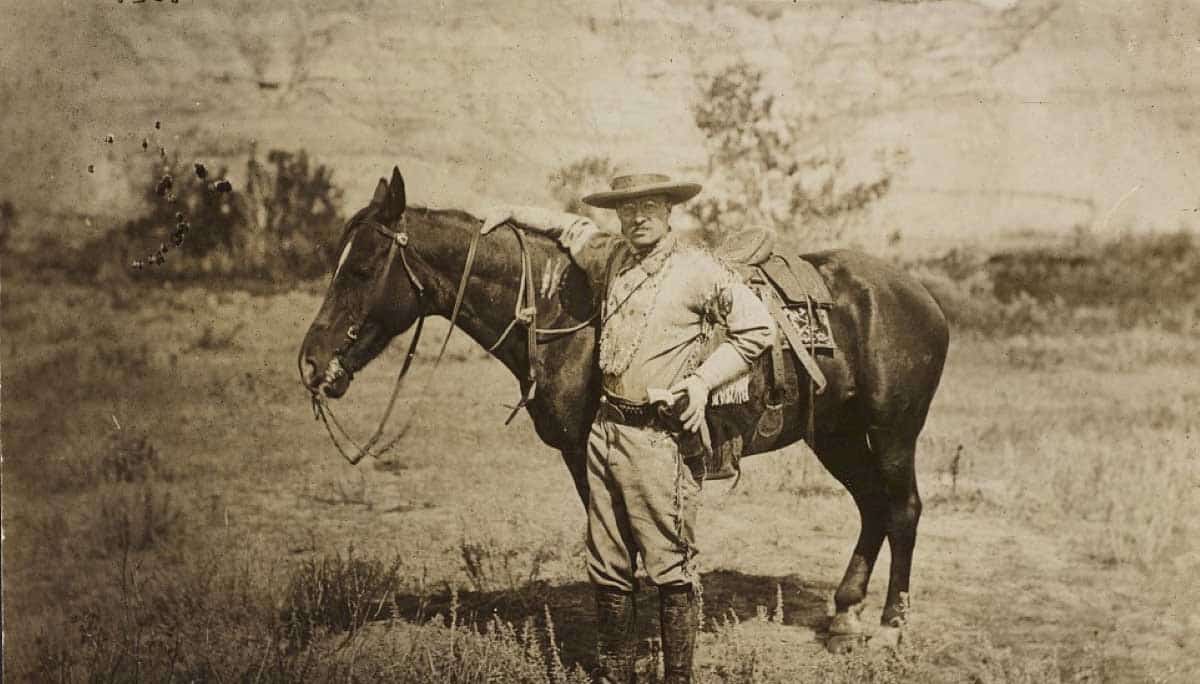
{"type": "Point", "coordinates": [398, 264]}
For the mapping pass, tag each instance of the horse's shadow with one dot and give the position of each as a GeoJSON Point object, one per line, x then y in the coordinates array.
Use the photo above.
{"type": "Point", "coordinates": [572, 607]}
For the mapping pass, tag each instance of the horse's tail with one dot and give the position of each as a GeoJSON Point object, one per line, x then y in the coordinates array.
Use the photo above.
{"type": "Point", "coordinates": [938, 292]}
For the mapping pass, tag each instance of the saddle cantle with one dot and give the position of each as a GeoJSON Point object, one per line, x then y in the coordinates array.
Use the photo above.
{"type": "Point", "coordinates": [796, 280]}
{"type": "Point", "coordinates": [754, 254]}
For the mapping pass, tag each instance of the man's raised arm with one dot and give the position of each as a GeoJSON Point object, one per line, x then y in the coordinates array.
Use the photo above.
{"type": "Point", "coordinates": [590, 247]}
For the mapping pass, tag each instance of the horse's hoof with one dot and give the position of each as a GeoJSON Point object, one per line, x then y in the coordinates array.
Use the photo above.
{"type": "Point", "coordinates": [887, 638]}
{"type": "Point", "coordinates": [845, 643]}
{"type": "Point", "coordinates": [846, 623]}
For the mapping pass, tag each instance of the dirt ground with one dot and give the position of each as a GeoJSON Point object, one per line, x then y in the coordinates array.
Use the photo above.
{"type": "Point", "coordinates": [1059, 476]}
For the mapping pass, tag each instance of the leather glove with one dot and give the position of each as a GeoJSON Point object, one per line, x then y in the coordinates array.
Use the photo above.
{"type": "Point", "coordinates": [536, 220]}
{"type": "Point", "coordinates": [692, 415]}
{"type": "Point", "coordinates": [494, 218]}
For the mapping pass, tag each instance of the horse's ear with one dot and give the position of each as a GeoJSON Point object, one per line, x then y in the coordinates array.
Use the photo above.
{"type": "Point", "coordinates": [396, 201]}
{"type": "Point", "coordinates": [381, 194]}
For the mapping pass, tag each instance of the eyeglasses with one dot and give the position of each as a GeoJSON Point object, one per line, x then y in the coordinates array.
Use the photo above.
{"type": "Point", "coordinates": [641, 207]}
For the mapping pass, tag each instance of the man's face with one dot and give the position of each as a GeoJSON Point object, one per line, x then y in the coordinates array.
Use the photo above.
{"type": "Point", "coordinates": [644, 220]}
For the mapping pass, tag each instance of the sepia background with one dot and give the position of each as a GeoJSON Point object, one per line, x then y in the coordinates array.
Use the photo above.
{"type": "Point", "coordinates": [170, 509]}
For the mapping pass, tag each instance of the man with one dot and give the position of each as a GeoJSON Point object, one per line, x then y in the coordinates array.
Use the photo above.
{"type": "Point", "coordinates": [662, 300]}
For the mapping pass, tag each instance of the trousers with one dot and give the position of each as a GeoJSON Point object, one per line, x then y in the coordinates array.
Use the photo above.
{"type": "Point", "coordinates": [642, 502]}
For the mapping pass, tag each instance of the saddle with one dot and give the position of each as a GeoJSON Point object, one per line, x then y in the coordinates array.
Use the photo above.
{"type": "Point", "coordinates": [794, 292]}
{"type": "Point", "coordinates": [799, 302]}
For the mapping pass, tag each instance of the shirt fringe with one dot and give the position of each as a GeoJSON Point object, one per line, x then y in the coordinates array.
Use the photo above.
{"type": "Point", "coordinates": [736, 391]}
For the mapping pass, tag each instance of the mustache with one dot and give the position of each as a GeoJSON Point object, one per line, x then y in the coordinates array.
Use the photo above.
{"type": "Point", "coordinates": [638, 223]}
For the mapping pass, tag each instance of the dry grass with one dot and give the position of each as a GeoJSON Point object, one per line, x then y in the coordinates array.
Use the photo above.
{"type": "Point", "coordinates": [760, 650]}
{"type": "Point", "coordinates": [1098, 432]}
{"type": "Point", "coordinates": [1058, 539]}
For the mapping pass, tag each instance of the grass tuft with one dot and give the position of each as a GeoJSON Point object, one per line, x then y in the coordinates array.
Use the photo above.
{"type": "Point", "coordinates": [137, 521]}
{"type": "Point", "coordinates": [338, 593]}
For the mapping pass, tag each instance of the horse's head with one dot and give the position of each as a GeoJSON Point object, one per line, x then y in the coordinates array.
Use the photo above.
{"type": "Point", "coordinates": [372, 296]}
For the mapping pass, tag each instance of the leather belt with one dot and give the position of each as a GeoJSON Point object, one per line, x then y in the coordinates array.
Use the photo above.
{"type": "Point", "coordinates": [632, 414]}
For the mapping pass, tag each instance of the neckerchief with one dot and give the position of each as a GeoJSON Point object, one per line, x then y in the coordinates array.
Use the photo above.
{"type": "Point", "coordinates": [631, 298]}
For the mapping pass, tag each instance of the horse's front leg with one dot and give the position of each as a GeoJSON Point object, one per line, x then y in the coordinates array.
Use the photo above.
{"type": "Point", "coordinates": [576, 460]}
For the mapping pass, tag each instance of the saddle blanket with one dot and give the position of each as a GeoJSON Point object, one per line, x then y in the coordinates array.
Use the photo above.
{"type": "Point", "coordinates": [813, 334]}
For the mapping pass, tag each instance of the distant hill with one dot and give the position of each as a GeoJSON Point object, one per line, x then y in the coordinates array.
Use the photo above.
{"type": "Point", "coordinates": [1015, 117]}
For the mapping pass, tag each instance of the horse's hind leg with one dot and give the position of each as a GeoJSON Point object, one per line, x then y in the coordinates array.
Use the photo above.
{"type": "Point", "coordinates": [849, 459]}
{"type": "Point", "coordinates": [895, 454]}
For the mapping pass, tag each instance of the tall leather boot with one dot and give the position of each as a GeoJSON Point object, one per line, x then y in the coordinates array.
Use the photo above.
{"type": "Point", "coordinates": [616, 645]}
{"type": "Point", "coordinates": [678, 616]}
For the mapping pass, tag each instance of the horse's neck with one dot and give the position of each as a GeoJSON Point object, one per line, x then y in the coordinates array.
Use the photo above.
{"type": "Point", "coordinates": [486, 320]}
{"type": "Point", "coordinates": [490, 298]}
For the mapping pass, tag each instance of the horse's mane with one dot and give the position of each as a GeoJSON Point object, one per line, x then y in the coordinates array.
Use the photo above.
{"type": "Point", "coordinates": [455, 214]}
{"type": "Point", "coordinates": [465, 220]}
{"type": "Point", "coordinates": [457, 218]}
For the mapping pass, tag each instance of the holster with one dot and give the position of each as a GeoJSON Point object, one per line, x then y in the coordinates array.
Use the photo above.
{"type": "Point", "coordinates": [722, 427]}
{"type": "Point", "coordinates": [703, 462]}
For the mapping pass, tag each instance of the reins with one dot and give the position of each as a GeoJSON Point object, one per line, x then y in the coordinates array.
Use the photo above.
{"type": "Point", "coordinates": [397, 242]}
{"type": "Point", "coordinates": [525, 313]}
{"type": "Point", "coordinates": [320, 408]}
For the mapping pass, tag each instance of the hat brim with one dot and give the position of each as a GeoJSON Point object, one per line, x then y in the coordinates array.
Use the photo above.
{"type": "Point", "coordinates": [675, 192]}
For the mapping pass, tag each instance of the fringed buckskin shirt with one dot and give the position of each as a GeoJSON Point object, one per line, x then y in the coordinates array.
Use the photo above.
{"type": "Point", "coordinates": [660, 310]}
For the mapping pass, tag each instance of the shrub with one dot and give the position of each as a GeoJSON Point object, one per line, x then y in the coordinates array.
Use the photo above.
{"type": "Point", "coordinates": [207, 619]}
{"type": "Point", "coordinates": [282, 223]}
{"type": "Point", "coordinates": [294, 212]}
{"type": "Point", "coordinates": [449, 649]}
{"type": "Point", "coordinates": [136, 522]}
{"type": "Point", "coordinates": [129, 458]}
{"type": "Point", "coordinates": [195, 620]}
{"type": "Point", "coordinates": [507, 554]}
{"type": "Point", "coordinates": [1130, 281]}
{"type": "Point", "coordinates": [765, 166]}
{"type": "Point", "coordinates": [338, 593]}
{"type": "Point", "coordinates": [87, 459]}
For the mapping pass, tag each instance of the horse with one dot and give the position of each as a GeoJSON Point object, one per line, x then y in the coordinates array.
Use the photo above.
{"type": "Point", "coordinates": [892, 337]}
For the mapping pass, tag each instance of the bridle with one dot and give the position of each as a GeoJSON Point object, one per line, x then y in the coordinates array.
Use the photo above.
{"type": "Point", "coordinates": [525, 314]}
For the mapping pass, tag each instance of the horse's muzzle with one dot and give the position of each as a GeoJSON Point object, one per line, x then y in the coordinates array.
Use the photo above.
{"type": "Point", "coordinates": [333, 381]}
{"type": "Point", "coordinates": [336, 380]}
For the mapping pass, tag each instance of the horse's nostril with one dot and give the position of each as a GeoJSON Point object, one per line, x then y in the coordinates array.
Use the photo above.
{"type": "Point", "coordinates": [312, 373]}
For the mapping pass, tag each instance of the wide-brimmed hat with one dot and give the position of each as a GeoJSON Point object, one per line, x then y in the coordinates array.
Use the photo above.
{"type": "Point", "coordinates": [642, 185]}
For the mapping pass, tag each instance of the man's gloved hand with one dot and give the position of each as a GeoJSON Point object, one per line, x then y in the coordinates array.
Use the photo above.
{"type": "Point", "coordinates": [494, 218]}
{"type": "Point", "coordinates": [692, 415]}
{"type": "Point", "coordinates": [534, 219]}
